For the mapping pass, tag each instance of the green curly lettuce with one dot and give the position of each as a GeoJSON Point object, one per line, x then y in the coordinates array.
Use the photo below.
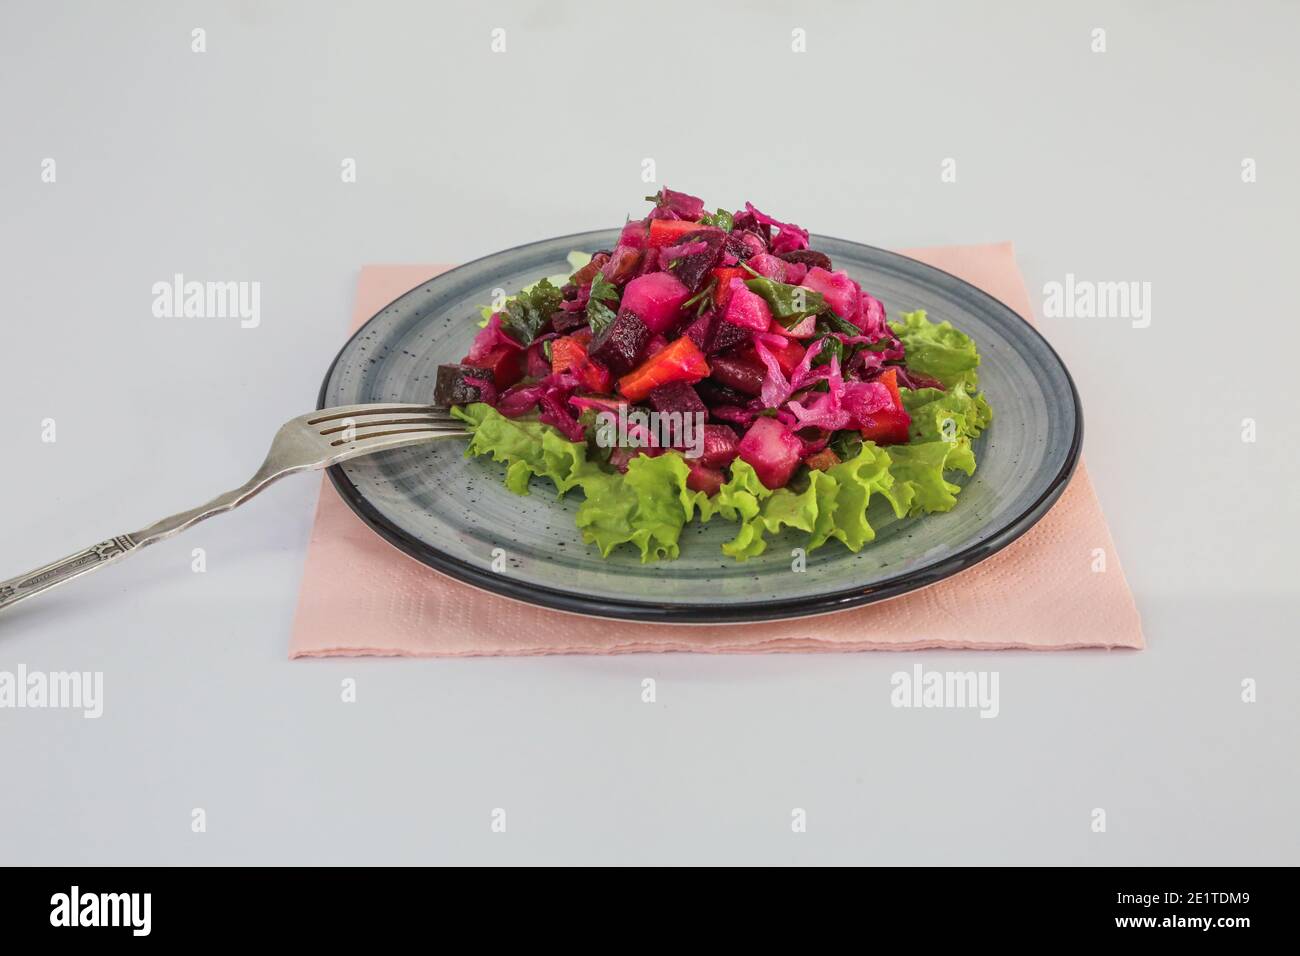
{"type": "Point", "coordinates": [527, 447]}
{"type": "Point", "coordinates": [937, 349]}
{"type": "Point", "coordinates": [946, 415]}
{"type": "Point", "coordinates": [918, 467]}
{"type": "Point", "coordinates": [648, 506]}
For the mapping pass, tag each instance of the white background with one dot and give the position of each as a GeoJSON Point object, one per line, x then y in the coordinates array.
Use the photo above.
{"type": "Point", "coordinates": [1115, 166]}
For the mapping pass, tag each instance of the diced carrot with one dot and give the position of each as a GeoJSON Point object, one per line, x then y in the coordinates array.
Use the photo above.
{"type": "Point", "coordinates": [724, 275]}
{"type": "Point", "coordinates": [680, 361]}
{"type": "Point", "coordinates": [566, 353]}
{"type": "Point", "coordinates": [669, 232]}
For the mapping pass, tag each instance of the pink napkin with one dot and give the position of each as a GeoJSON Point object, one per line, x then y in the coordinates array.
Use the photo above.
{"type": "Point", "coordinates": [360, 595]}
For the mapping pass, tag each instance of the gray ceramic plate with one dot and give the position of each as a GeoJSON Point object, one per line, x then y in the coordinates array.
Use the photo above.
{"type": "Point", "coordinates": [452, 512]}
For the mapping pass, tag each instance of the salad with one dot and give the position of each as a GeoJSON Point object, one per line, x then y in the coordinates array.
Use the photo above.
{"type": "Point", "coordinates": [713, 365]}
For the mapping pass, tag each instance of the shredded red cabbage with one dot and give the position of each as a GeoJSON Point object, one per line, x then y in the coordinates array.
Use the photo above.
{"type": "Point", "coordinates": [788, 239]}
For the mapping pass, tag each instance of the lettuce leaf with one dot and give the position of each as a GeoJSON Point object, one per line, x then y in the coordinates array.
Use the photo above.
{"type": "Point", "coordinates": [528, 447]}
{"type": "Point", "coordinates": [649, 505]}
{"type": "Point", "coordinates": [918, 468]}
{"type": "Point", "coordinates": [945, 415]}
{"type": "Point", "coordinates": [644, 507]}
{"type": "Point", "coordinates": [937, 349]}
{"type": "Point", "coordinates": [867, 473]}
{"type": "Point", "coordinates": [778, 509]}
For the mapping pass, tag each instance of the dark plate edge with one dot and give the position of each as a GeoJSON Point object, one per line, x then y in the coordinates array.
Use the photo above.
{"type": "Point", "coordinates": [663, 613]}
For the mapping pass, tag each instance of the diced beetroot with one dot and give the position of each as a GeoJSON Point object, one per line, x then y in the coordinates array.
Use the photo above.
{"type": "Point", "coordinates": [637, 234]}
{"type": "Point", "coordinates": [455, 384]}
{"type": "Point", "coordinates": [840, 292]}
{"type": "Point", "coordinates": [703, 478]}
{"type": "Point", "coordinates": [694, 258]}
{"type": "Point", "coordinates": [726, 335]}
{"type": "Point", "coordinates": [719, 446]}
{"type": "Point", "coordinates": [623, 264]}
{"type": "Point", "coordinates": [766, 264]}
{"type": "Point", "coordinates": [621, 344]}
{"type": "Point", "coordinates": [713, 393]}
{"type": "Point", "coordinates": [677, 397]}
{"type": "Point", "coordinates": [506, 365]}
{"type": "Point", "coordinates": [742, 244]}
{"type": "Point", "coordinates": [588, 272]}
{"type": "Point", "coordinates": [734, 372]}
{"type": "Point", "coordinates": [681, 361]}
{"type": "Point", "coordinates": [747, 309]}
{"type": "Point", "coordinates": [808, 258]}
{"type": "Point", "coordinates": [700, 330]}
{"type": "Point", "coordinates": [671, 257]}
{"type": "Point", "coordinates": [741, 414]}
{"type": "Point", "coordinates": [772, 450]}
{"type": "Point", "coordinates": [656, 299]}
{"type": "Point", "coordinates": [566, 320]}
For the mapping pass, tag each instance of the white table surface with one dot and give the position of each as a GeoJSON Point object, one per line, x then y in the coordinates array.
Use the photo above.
{"type": "Point", "coordinates": [225, 165]}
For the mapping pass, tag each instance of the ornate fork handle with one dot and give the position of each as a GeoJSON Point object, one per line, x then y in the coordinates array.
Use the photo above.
{"type": "Point", "coordinates": [25, 585]}
{"type": "Point", "coordinates": [327, 436]}
{"type": "Point", "coordinates": [114, 549]}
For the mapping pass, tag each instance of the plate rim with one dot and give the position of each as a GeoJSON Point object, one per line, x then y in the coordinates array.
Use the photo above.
{"type": "Point", "coordinates": [659, 612]}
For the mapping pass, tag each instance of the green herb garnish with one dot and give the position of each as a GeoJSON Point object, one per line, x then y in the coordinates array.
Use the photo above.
{"type": "Point", "coordinates": [830, 322]}
{"type": "Point", "coordinates": [831, 348]}
{"type": "Point", "coordinates": [703, 293]}
{"type": "Point", "coordinates": [524, 316]}
{"type": "Point", "coordinates": [790, 304]}
{"type": "Point", "coordinates": [721, 219]}
{"type": "Point", "coordinates": [599, 313]}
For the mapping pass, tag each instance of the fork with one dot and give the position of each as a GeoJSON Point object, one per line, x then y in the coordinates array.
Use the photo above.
{"type": "Point", "coordinates": [327, 436]}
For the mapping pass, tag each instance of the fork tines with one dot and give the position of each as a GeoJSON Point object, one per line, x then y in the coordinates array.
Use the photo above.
{"type": "Point", "coordinates": [382, 420]}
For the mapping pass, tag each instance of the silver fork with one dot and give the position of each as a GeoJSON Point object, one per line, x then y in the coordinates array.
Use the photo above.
{"type": "Point", "coordinates": [316, 440]}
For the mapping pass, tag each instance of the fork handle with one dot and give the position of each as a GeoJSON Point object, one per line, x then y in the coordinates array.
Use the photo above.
{"type": "Point", "coordinates": [115, 549]}
{"type": "Point", "coordinates": [94, 557]}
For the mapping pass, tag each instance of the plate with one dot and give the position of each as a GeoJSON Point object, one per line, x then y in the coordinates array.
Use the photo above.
{"type": "Point", "coordinates": [455, 514]}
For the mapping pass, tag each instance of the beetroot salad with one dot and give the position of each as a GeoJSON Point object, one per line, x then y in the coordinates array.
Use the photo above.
{"type": "Point", "coordinates": [714, 364]}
